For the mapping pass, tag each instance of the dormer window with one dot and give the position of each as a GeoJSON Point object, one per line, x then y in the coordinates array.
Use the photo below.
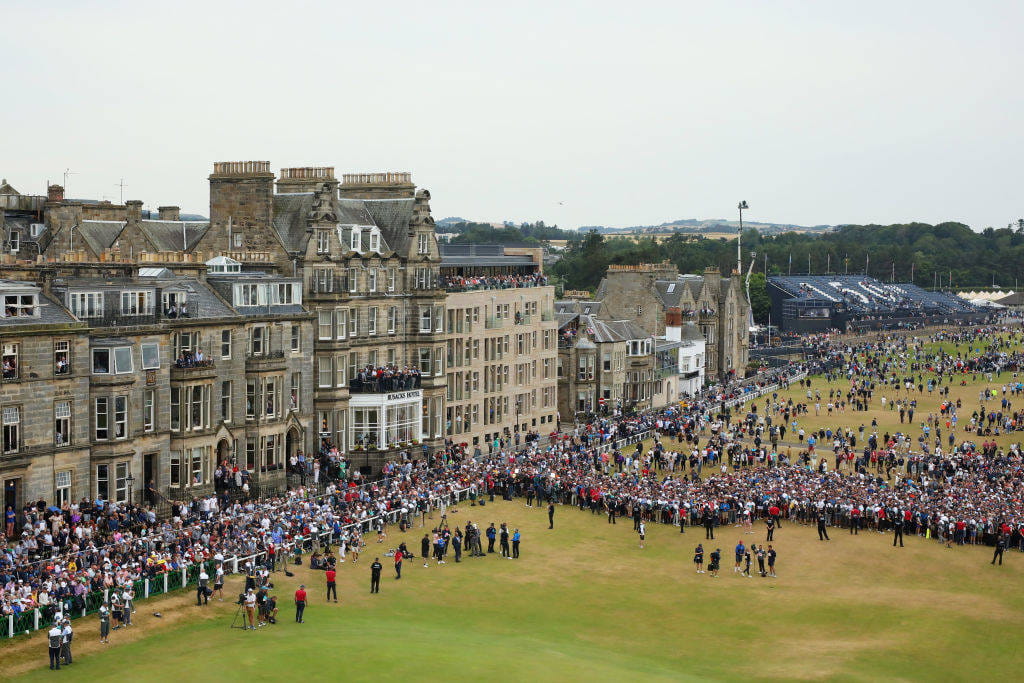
{"type": "Point", "coordinates": [20, 305]}
{"type": "Point", "coordinates": [15, 241]}
{"type": "Point", "coordinates": [423, 243]}
{"type": "Point", "coordinates": [86, 304]}
{"type": "Point", "coordinates": [375, 241]}
{"type": "Point", "coordinates": [354, 240]}
{"type": "Point", "coordinates": [175, 305]}
{"type": "Point", "coordinates": [137, 303]}
{"type": "Point", "coordinates": [323, 241]}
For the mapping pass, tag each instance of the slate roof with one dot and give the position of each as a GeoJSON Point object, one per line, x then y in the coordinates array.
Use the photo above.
{"type": "Point", "coordinates": [616, 330]}
{"type": "Point", "coordinates": [671, 291]}
{"type": "Point", "coordinates": [392, 216]}
{"type": "Point", "coordinates": [353, 212]}
{"type": "Point", "coordinates": [99, 235]}
{"type": "Point", "coordinates": [586, 307]}
{"type": "Point", "coordinates": [291, 212]}
{"type": "Point", "coordinates": [166, 235]}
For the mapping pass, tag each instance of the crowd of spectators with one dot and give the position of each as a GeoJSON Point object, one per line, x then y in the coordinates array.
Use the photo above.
{"type": "Point", "coordinates": [470, 282]}
{"type": "Point", "coordinates": [53, 556]}
{"type": "Point", "coordinates": [385, 378]}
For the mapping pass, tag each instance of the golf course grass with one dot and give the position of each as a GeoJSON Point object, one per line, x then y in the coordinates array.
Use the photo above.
{"type": "Point", "coordinates": [584, 601]}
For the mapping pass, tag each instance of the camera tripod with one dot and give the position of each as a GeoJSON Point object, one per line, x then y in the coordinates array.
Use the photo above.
{"type": "Point", "coordinates": [240, 612]}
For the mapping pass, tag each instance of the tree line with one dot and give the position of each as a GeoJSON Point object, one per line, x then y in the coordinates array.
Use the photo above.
{"type": "Point", "coordinates": [931, 256]}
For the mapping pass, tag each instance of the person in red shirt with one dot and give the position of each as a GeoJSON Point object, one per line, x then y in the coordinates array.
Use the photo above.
{"type": "Point", "coordinates": [300, 603]}
{"type": "Point", "coordinates": [332, 587]}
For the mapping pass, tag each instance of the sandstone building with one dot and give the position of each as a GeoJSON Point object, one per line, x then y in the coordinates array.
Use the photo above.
{"type": "Point", "coordinates": [326, 316]}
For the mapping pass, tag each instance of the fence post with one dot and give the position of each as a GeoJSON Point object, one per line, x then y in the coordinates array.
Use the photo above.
{"type": "Point", "coordinates": [35, 619]}
{"type": "Point", "coordinates": [10, 625]}
{"type": "Point", "coordinates": [234, 564]}
{"type": "Point", "coordinates": [184, 576]}
{"type": "Point", "coordinates": [165, 581]}
{"type": "Point", "coordinates": [146, 588]}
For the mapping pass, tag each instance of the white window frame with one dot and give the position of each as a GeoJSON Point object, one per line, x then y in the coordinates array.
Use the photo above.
{"type": "Point", "coordinates": [154, 362]}
{"type": "Point", "coordinates": [11, 429]}
{"type": "Point", "coordinates": [149, 410]}
{"type": "Point", "coordinates": [371, 321]}
{"type": "Point", "coordinates": [62, 423]}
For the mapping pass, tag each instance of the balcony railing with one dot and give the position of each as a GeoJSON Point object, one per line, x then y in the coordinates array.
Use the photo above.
{"type": "Point", "coordinates": [385, 385]}
{"type": "Point", "coordinates": [190, 366]}
{"type": "Point", "coordinates": [493, 323]}
{"type": "Point", "coordinates": [146, 317]}
{"type": "Point", "coordinates": [265, 355]}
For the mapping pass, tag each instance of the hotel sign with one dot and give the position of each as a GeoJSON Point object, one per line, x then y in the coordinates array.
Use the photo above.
{"type": "Point", "coordinates": [402, 395]}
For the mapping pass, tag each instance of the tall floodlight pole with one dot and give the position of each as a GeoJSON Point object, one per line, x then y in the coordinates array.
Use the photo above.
{"type": "Point", "coordinates": [739, 238]}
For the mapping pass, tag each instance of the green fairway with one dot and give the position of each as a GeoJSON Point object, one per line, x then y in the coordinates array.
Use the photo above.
{"type": "Point", "coordinates": [888, 418]}
{"type": "Point", "coordinates": [585, 601]}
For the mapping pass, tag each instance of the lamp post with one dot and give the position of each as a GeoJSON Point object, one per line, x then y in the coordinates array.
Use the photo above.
{"type": "Point", "coordinates": [739, 238]}
{"type": "Point", "coordinates": [130, 480]}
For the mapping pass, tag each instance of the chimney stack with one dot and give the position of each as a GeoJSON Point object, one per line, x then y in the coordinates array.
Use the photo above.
{"type": "Point", "coordinates": [169, 213]}
{"type": "Point", "coordinates": [55, 193]}
{"type": "Point", "coordinates": [133, 211]}
{"type": "Point", "coordinates": [674, 317]}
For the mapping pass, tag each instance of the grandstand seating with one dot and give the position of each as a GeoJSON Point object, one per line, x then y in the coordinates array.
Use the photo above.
{"type": "Point", "coordinates": [860, 295]}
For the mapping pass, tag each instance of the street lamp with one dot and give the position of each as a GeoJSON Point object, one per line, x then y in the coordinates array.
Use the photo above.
{"type": "Point", "coordinates": [130, 480]}
{"type": "Point", "coordinates": [739, 238]}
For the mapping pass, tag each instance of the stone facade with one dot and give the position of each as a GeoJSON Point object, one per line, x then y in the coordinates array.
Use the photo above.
{"type": "Point", "coordinates": [126, 401]}
{"type": "Point", "coordinates": [716, 304]}
{"type": "Point", "coordinates": [501, 364]}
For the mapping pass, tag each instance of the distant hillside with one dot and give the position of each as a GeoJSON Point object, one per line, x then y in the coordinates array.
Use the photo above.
{"type": "Point", "coordinates": [711, 225]}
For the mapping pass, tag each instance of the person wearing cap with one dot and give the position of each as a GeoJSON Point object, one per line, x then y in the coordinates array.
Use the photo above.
{"type": "Point", "coordinates": [54, 641]}
{"type": "Point", "coordinates": [67, 635]}
{"type": "Point", "coordinates": [375, 569]}
{"type": "Point", "coordinates": [250, 608]}
{"type": "Point", "coordinates": [300, 603]}
{"type": "Point", "coordinates": [104, 615]}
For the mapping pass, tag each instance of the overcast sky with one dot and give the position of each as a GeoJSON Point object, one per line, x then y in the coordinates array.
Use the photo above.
{"type": "Point", "coordinates": [619, 113]}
